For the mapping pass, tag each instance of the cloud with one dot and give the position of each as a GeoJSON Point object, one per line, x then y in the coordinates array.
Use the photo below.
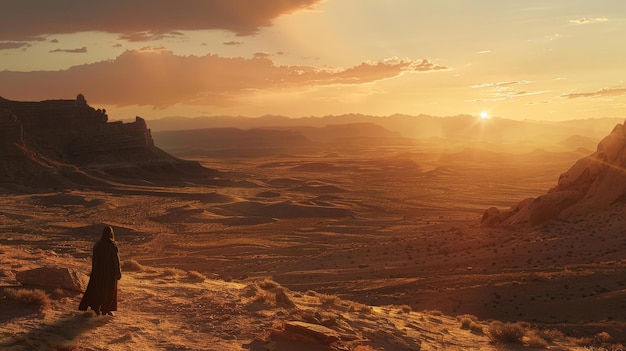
{"type": "Point", "coordinates": [232, 42]}
{"type": "Point", "coordinates": [150, 36]}
{"type": "Point", "coordinates": [25, 20]}
{"type": "Point", "coordinates": [160, 78]}
{"type": "Point", "coordinates": [499, 84]}
{"type": "Point", "coordinates": [585, 20]}
{"type": "Point", "coordinates": [599, 93]}
{"type": "Point", "coordinates": [506, 90]}
{"type": "Point", "coordinates": [71, 51]}
{"type": "Point", "coordinates": [7, 45]}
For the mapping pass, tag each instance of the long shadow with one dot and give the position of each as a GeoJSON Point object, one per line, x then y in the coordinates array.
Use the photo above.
{"type": "Point", "coordinates": [61, 331]}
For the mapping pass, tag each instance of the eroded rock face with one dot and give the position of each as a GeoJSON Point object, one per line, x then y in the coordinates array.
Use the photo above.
{"type": "Point", "coordinates": [593, 182]}
{"type": "Point", "coordinates": [62, 142]}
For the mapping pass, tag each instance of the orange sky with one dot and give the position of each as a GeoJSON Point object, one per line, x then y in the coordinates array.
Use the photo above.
{"type": "Point", "coordinates": [548, 60]}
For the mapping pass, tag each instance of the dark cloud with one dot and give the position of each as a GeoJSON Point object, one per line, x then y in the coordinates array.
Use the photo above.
{"type": "Point", "coordinates": [232, 42]}
{"type": "Point", "coordinates": [71, 51]}
{"type": "Point", "coordinates": [25, 20]}
{"type": "Point", "coordinates": [160, 78]}
{"type": "Point", "coordinates": [7, 45]}
{"type": "Point", "coordinates": [54, 41]}
{"type": "Point", "coordinates": [599, 93]}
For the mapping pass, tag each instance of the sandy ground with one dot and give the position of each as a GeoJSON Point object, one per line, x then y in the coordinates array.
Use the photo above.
{"type": "Point", "coordinates": [394, 229]}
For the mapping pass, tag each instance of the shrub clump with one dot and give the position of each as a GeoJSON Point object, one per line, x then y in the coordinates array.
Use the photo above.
{"type": "Point", "coordinates": [34, 297]}
{"type": "Point", "coordinates": [196, 276]}
{"type": "Point", "coordinates": [132, 266]}
{"type": "Point", "coordinates": [506, 333]}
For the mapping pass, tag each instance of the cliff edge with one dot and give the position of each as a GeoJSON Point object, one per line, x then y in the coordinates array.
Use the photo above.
{"type": "Point", "coordinates": [592, 183]}
{"type": "Point", "coordinates": [67, 143]}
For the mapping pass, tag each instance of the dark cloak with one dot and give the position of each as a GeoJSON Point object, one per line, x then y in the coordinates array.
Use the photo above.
{"type": "Point", "coordinates": [101, 292]}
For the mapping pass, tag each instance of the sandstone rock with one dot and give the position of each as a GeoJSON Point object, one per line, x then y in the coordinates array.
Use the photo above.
{"type": "Point", "coordinates": [593, 182]}
{"type": "Point", "coordinates": [40, 141]}
{"type": "Point", "coordinates": [305, 333]}
{"type": "Point", "coordinates": [54, 277]}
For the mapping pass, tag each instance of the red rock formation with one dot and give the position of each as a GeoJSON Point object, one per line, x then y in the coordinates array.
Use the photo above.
{"type": "Point", "coordinates": [57, 143]}
{"type": "Point", "coordinates": [594, 182]}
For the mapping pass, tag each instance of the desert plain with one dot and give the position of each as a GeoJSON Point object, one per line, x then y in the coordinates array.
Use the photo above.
{"type": "Point", "coordinates": [386, 240]}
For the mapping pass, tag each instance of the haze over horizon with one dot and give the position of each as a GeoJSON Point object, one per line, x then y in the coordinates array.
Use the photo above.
{"type": "Point", "coordinates": [545, 61]}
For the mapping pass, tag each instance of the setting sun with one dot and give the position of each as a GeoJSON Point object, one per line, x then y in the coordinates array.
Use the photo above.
{"type": "Point", "coordinates": [484, 115]}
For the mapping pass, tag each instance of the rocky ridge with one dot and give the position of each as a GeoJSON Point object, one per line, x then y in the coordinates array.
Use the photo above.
{"type": "Point", "coordinates": [64, 143]}
{"type": "Point", "coordinates": [593, 183]}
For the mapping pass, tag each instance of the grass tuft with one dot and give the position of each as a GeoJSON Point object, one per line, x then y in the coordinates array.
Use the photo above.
{"type": "Point", "coordinates": [35, 297]}
{"type": "Point", "coordinates": [506, 333]}
{"type": "Point", "coordinates": [196, 276]}
{"type": "Point", "coordinates": [132, 266]}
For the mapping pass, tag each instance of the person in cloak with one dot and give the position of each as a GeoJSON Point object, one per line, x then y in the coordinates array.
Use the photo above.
{"type": "Point", "coordinates": [101, 292]}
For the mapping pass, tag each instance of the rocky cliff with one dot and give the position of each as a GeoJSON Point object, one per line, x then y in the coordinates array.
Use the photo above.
{"type": "Point", "coordinates": [62, 143]}
{"type": "Point", "coordinates": [592, 183]}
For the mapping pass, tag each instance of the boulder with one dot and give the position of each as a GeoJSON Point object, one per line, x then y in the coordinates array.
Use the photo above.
{"type": "Point", "coordinates": [305, 333]}
{"type": "Point", "coordinates": [53, 277]}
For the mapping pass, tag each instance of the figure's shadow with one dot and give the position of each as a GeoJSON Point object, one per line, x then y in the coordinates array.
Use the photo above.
{"type": "Point", "coordinates": [61, 331]}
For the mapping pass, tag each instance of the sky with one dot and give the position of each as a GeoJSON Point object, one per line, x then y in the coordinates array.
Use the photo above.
{"type": "Point", "coordinates": [518, 59]}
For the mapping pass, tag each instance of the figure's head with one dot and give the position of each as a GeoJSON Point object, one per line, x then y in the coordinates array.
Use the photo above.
{"type": "Point", "coordinates": [107, 233]}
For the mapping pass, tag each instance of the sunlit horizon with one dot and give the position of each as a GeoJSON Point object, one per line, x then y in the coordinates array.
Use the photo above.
{"type": "Point", "coordinates": [297, 58]}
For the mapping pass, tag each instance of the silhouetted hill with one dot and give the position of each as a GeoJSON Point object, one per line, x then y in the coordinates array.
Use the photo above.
{"type": "Point", "coordinates": [455, 130]}
{"type": "Point", "coordinates": [64, 143]}
{"type": "Point", "coordinates": [256, 142]}
{"type": "Point", "coordinates": [230, 141]}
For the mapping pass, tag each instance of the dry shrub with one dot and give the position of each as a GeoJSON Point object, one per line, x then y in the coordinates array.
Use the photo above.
{"type": "Point", "coordinates": [35, 297]}
{"type": "Point", "coordinates": [132, 266]}
{"type": "Point", "coordinates": [551, 334]}
{"type": "Point", "coordinates": [506, 333]}
{"type": "Point", "coordinates": [476, 328]}
{"type": "Point", "coordinates": [406, 309]}
{"type": "Point", "coordinates": [533, 339]}
{"type": "Point", "coordinates": [311, 293]}
{"type": "Point", "coordinates": [196, 276]}
{"type": "Point", "coordinates": [268, 284]}
{"type": "Point", "coordinates": [172, 272]}
{"type": "Point", "coordinates": [434, 313]}
{"type": "Point", "coordinates": [602, 337]}
{"type": "Point", "coordinates": [282, 298]}
{"type": "Point", "coordinates": [360, 308]}
{"type": "Point", "coordinates": [466, 320]}
{"type": "Point", "coordinates": [582, 341]}
{"type": "Point", "coordinates": [328, 300]}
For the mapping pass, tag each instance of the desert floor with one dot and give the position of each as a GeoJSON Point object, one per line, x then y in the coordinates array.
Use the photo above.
{"type": "Point", "coordinates": [383, 227]}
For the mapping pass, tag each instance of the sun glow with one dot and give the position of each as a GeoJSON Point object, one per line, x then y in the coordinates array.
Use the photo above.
{"type": "Point", "coordinates": [484, 115]}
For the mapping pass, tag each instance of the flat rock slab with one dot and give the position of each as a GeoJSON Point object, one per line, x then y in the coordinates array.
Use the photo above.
{"type": "Point", "coordinates": [319, 333]}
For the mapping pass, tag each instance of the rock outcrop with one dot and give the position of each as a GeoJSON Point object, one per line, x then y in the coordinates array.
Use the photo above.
{"type": "Point", "coordinates": [593, 182]}
{"type": "Point", "coordinates": [53, 277]}
{"type": "Point", "coordinates": [60, 143]}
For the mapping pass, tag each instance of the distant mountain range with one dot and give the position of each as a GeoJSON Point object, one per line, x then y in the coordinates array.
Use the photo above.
{"type": "Point", "coordinates": [428, 131]}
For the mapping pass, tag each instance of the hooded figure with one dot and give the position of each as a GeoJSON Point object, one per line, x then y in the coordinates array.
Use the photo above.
{"type": "Point", "coordinates": [101, 292]}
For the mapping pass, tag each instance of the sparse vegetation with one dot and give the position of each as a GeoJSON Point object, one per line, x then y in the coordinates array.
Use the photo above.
{"type": "Point", "coordinates": [506, 333]}
{"type": "Point", "coordinates": [172, 272]}
{"type": "Point", "coordinates": [35, 297]}
{"type": "Point", "coordinates": [534, 339]}
{"type": "Point", "coordinates": [550, 334]}
{"type": "Point", "coordinates": [196, 276]}
{"type": "Point", "coordinates": [267, 284]}
{"type": "Point", "coordinates": [132, 266]}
